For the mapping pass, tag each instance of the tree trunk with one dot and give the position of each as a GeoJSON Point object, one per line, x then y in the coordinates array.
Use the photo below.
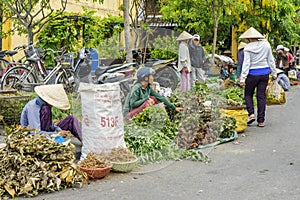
{"type": "Point", "coordinates": [216, 24]}
{"type": "Point", "coordinates": [30, 35]}
{"type": "Point", "coordinates": [128, 45]}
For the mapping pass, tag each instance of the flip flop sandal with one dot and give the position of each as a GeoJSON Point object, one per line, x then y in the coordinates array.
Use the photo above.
{"type": "Point", "coordinates": [261, 124]}
{"type": "Point", "coordinates": [251, 119]}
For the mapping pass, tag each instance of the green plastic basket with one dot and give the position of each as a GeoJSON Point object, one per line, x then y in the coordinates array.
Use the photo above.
{"type": "Point", "coordinates": [124, 166]}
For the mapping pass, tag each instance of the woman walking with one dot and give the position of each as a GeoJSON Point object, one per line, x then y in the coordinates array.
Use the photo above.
{"type": "Point", "coordinates": [257, 65]}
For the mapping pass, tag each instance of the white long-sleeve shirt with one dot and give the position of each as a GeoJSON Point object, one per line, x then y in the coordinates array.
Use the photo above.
{"type": "Point", "coordinates": [183, 56]}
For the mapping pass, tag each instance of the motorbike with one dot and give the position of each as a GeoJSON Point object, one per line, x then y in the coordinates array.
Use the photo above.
{"type": "Point", "coordinates": [166, 73]}
{"type": "Point", "coordinates": [122, 73]}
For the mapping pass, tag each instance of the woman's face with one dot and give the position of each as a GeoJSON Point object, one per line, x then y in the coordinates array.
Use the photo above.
{"type": "Point", "coordinates": [196, 41]}
{"type": "Point", "coordinates": [151, 79]}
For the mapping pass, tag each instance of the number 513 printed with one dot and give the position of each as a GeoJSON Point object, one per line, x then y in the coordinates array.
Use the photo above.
{"type": "Point", "coordinates": [109, 121]}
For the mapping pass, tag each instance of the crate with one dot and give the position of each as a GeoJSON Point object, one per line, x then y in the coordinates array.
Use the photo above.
{"type": "Point", "coordinates": [11, 106]}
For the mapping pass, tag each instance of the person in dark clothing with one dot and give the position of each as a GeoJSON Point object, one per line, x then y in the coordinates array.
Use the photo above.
{"type": "Point", "coordinates": [197, 57]}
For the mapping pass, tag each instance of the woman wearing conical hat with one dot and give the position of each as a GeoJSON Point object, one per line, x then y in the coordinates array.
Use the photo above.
{"type": "Point", "coordinates": [258, 64]}
{"type": "Point", "coordinates": [37, 113]}
{"type": "Point", "coordinates": [184, 62]}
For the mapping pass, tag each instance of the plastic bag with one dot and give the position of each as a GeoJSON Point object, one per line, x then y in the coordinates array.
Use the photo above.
{"type": "Point", "coordinates": [275, 94]}
{"type": "Point", "coordinates": [240, 116]}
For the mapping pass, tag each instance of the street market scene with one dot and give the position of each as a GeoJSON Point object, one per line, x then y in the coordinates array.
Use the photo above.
{"type": "Point", "coordinates": [143, 99]}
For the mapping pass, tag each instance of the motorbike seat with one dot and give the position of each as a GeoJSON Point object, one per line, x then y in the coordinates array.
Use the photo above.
{"type": "Point", "coordinates": [111, 68]}
{"type": "Point", "coordinates": [102, 69]}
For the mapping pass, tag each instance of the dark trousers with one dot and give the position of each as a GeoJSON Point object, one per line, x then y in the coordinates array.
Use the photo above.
{"type": "Point", "coordinates": [260, 84]}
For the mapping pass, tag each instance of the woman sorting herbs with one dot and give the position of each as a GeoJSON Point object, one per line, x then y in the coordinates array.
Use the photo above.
{"type": "Point", "coordinates": [258, 64]}
{"type": "Point", "coordinates": [37, 113]}
{"type": "Point", "coordinates": [142, 95]}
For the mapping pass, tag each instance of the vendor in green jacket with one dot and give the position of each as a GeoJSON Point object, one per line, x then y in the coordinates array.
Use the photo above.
{"type": "Point", "coordinates": [142, 95]}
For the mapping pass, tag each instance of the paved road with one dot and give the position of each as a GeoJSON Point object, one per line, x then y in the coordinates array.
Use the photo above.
{"type": "Point", "coordinates": [262, 164]}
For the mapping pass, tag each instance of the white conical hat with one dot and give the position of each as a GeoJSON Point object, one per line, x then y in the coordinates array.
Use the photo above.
{"type": "Point", "coordinates": [55, 95]}
{"type": "Point", "coordinates": [278, 71]}
{"type": "Point", "coordinates": [184, 36]}
{"type": "Point", "coordinates": [252, 33]}
{"type": "Point", "coordinates": [242, 45]}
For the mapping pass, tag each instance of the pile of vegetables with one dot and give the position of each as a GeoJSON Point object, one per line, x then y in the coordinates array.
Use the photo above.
{"type": "Point", "coordinates": [33, 164]}
{"type": "Point", "coordinates": [92, 161]}
{"type": "Point", "coordinates": [151, 135]}
{"type": "Point", "coordinates": [11, 105]}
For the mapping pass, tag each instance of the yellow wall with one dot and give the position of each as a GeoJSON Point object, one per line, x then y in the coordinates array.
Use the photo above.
{"type": "Point", "coordinates": [6, 43]}
{"type": "Point", "coordinates": [234, 44]}
{"type": "Point", "coordinates": [108, 7]}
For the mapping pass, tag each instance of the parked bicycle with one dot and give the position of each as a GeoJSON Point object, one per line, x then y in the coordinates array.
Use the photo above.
{"type": "Point", "coordinates": [33, 72]}
{"type": "Point", "coordinates": [5, 64]}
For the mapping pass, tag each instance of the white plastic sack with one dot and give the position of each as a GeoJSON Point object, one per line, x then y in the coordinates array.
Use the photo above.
{"type": "Point", "coordinates": [102, 119]}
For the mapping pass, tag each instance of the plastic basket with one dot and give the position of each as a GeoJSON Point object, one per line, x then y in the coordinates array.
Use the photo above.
{"type": "Point", "coordinates": [124, 166]}
{"type": "Point", "coordinates": [96, 173]}
{"type": "Point", "coordinates": [68, 58]}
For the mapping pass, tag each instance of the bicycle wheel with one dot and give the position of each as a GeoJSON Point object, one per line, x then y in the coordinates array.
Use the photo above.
{"type": "Point", "coordinates": [4, 65]}
{"type": "Point", "coordinates": [66, 77]}
{"type": "Point", "coordinates": [18, 78]}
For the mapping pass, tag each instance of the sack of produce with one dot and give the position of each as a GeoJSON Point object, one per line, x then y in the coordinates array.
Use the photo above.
{"type": "Point", "coordinates": [102, 119]}
{"type": "Point", "coordinates": [275, 94]}
{"type": "Point", "coordinates": [241, 117]}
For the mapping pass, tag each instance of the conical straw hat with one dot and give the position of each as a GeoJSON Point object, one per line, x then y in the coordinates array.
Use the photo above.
{"type": "Point", "coordinates": [184, 36]}
{"type": "Point", "coordinates": [242, 45]}
{"type": "Point", "coordinates": [54, 95]}
{"type": "Point", "coordinates": [251, 33]}
{"type": "Point", "coordinates": [279, 71]}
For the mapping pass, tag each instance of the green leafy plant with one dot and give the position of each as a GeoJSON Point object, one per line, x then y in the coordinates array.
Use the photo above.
{"type": "Point", "coordinates": [73, 31]}
{"type": "Point", "coordinates": [164, 47]}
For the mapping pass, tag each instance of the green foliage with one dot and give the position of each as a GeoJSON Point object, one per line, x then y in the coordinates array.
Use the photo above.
{"type": "Point", "coordinates": [150, 135]}
{"type": "Point", "coordinates": [279, 20]}
{"type": "Point", "coordinates": [111, 48]}
{"type": "Point", "coordinates": [68, 30]}
{"type": "Point", "coordinates": [28, 17]}
{"type": "Point", "coordinates": [165, 47]}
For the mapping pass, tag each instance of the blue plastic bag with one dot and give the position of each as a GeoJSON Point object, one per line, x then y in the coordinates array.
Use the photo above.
{"type": "Point", "coordinates": [59, 139]}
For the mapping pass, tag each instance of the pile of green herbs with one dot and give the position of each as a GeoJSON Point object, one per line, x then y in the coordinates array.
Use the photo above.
{"type": "Point", "coordinates": [151, 136]}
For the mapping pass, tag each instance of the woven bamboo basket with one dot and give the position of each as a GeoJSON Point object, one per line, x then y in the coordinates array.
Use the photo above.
{"type": "Point", "coordinates": [96, 173]}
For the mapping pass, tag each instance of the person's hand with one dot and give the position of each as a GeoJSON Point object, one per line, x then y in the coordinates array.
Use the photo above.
{"type": "Point", "coordinates": [178, 109]}
{"type": "Point", "coordinates": [242, 83]}
{"type": "Point", "coordinates": [151, 101]}
{"type": "Point", "coordinates": [63, 133]}
{"type": "Point", "coordinates": [274, 78]}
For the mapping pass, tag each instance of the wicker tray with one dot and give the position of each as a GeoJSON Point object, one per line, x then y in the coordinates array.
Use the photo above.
{"type": "Point", "coordinates": [124, 166]}
{"type": "Point", "coordinates": [96, 173]}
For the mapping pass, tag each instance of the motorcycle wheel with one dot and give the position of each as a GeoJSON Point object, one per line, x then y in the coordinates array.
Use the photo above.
{"type": "Point", "coordinates": [167, 77]}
